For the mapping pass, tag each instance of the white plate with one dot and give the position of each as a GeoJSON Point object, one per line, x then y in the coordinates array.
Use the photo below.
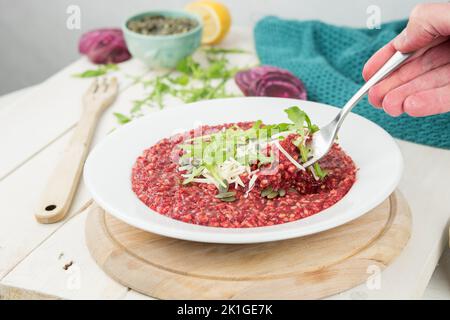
{"type": "Point", "coordinates": [108, 168]}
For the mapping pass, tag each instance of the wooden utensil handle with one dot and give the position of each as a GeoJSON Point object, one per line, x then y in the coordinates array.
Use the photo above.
{"type": "Point", "coordinates": [58, 194]}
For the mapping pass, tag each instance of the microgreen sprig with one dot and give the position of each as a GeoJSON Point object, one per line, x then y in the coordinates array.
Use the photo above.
{"type": "Point", "coordinates": [190, 81]}
{"type": "Point", "coordinates": [221, 156]}
{"type": "Point", "coordinates": [299, 119]}
{"type": "Point", "coordinates": [100, 71]}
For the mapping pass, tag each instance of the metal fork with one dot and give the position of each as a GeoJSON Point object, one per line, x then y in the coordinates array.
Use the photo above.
{"type": "Point", "coordinates": [60, 190]}
{"type": "Point", "coordinates": [323, 139]}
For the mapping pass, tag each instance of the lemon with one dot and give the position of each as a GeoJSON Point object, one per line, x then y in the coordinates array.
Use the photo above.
{"type": "Point", "coordinates": [216, 19]}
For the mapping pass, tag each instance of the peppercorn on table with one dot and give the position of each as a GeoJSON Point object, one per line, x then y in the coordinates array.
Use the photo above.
{"type": "Point", "coordinates": [52, 261]}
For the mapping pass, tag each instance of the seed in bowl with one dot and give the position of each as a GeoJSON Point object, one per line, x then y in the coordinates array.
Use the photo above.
{"type": "Point", "coordinates": [161, 25]}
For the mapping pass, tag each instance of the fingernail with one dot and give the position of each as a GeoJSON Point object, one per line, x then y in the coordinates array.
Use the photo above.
{"type": "Point", "coordinates": [412, 106]}
{"type": "Point", "coordinates": [400, 40]}
{"type": "Point", "coordinates": [374, 99]}
{"type": "Point", "coordinates": [391, 107]}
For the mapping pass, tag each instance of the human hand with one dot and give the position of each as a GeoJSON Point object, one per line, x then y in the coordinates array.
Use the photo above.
{"type": "Point", "coordinates": [421, 86]}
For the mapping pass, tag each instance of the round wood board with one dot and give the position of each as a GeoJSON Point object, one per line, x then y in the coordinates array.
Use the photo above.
{"type": "Point", "coordinates": [310, 267]}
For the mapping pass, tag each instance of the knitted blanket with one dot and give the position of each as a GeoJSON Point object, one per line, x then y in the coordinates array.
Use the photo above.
{"type": "Point", "coordinates": [329, 60]}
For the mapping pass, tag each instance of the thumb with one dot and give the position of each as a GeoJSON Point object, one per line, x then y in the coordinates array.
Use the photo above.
{"type": "Point", "coordinates": [427, 22]}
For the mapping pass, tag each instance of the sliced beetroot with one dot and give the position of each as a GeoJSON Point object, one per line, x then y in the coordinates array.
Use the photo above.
{"type": "Point", "coordinates": [271, 82]}
{"type": "Point", "coordinates": [104, 46]}
{"type": "Point", "coordinates": [279, 84]}
{"type": "Point", "coordinates": [246, 78]}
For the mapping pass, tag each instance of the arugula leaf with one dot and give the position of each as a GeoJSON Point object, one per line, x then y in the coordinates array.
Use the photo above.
{"type": "Point", "coordinates": [319, 171]}
{"type": "Point", "coordinates": [304, 152]}
{"type": "Point", "coordinates": [158, 91]}
{"type": "Point", "coordinates": [100, 71]}
{"type": "Point", "coordinates": [90, 73]}
{"type": "Point", "coordinates": [215, 50]}
{"type": "Point", "coordinates": [272, 129]}
{"type": "Point", "coordinates": [217, 69]}
{"type": "Point", "coordinates": [178, 83]}
{"type": "Point", "coordinates": [297, 116]}
{"type": "Point", "coordinates": [181, 80]}
{"type": "Point", "coordinates": [122, 119]}
{"type": "Point", "coordinates": [187, 65]}
{"type": "Point", "coordinates": [311, 127]}
{"type": "Point", "coordinates": [137, 106]}
{"type": "Point", "coordinates": [195, 173]}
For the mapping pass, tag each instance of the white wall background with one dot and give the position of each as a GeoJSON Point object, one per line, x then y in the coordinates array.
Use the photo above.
{"type": "Point", "coordinates": [35, 42]}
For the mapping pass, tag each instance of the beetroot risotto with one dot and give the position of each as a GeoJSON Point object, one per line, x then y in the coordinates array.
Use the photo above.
{"type": "Point", "coordinates": [242, 175]}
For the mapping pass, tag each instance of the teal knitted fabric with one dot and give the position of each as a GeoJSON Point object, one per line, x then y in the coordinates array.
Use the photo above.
{"type": "Point", "coordinates": [329, 60]}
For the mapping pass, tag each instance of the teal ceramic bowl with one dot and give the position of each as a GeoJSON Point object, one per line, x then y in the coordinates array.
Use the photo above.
{"type": "Point", "coordinates": [163, 51]}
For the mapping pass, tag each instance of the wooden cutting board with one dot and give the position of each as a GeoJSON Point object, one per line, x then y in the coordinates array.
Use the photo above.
{"type": "Point", "coordinates": [310, 267]}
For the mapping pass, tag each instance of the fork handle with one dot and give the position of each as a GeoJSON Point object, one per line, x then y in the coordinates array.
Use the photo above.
{"type": "Point", "coordinates": [392, 64]}
{"type": "Point", "coordinates": [58, 194]}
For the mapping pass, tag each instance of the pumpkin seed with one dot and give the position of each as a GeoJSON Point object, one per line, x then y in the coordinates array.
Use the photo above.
{"type": "Point", "coordinates": [229, 199]}
{"type": "Point", "coordinates": [282, 192]}
{"type": "Point", "coordinates": [161, 25]}
{"type": "Point", "coordinates": [266, 191]}
{"type": "Point", "coordinates": [225, 195]}
{"type": "Point", "coordinates": [272, 195]}
{"type": "Point", "coordinates": [292, 190]}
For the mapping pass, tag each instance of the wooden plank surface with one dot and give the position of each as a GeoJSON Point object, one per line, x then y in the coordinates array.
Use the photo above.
{"type": "Point", "coordinates": [30, 124]}
{"type": "Point", "coordinates": [61, 270]}
{"type": "Point", "coordinates": [310, 267]}
{"type": "Point", "coordinates": [18, 200]}
{"type": "Point", "coordinates": [35, 134]}
{"type": "Point", "coordinates": [19, 233]}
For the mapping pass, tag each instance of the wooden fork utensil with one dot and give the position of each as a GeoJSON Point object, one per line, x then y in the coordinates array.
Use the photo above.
{"type": "Point", "coordinates": [58, 195]}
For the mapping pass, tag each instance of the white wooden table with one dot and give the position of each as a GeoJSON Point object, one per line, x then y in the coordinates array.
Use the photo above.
{"type": "Point", "coordinates": [35, 129]}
